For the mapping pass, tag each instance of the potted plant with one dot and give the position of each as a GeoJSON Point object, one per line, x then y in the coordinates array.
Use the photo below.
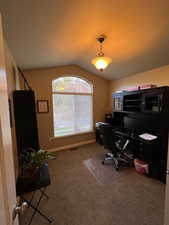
{"type": "Point", "coordinates": [32, 160]}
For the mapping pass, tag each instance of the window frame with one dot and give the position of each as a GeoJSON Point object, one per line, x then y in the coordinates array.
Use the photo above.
{"type": "Point", "coordinates": [74, 93]}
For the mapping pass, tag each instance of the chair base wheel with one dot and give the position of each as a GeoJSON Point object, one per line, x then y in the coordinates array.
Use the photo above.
{"type": "Point", "coordinates": [117, 169]}
{"type": "Point", "coordinates": [103, 162]}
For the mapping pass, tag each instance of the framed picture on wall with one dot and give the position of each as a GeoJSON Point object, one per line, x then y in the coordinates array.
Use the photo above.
{"type": "Point", "coordinates": [42, 106]}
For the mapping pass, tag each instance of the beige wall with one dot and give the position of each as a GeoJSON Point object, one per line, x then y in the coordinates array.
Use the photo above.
{"type": "Point", "coordinates": [158, 76]}
{"type": "Point", "coordinates": [41, 81]}
{"type": "Point", "coordinates": [13, 84]}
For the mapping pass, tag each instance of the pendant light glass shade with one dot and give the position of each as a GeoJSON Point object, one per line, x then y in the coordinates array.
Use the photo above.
{"type": "Point", "coordinates": [101, 62]}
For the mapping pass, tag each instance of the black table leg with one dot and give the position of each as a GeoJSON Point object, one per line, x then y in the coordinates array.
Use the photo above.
{"type": "Point", "coordinates": [36, 210]}
{"type": "Point", "coordinates": [30, 202]}
{"type": "Point", "coordinates": [43, 191]}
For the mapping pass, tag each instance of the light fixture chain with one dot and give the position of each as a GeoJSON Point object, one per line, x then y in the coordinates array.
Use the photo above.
{"type": "Point", "coordinates": [101, 48]}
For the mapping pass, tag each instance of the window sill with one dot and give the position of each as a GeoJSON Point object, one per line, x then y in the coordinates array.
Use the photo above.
{"type": "Point", "coordinates": [71, 135]}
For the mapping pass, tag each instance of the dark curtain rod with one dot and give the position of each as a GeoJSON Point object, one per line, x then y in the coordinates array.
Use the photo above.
{"type": "Point", "coordinates": [25, 80]}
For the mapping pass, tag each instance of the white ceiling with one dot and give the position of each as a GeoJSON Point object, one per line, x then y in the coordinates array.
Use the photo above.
{"type": "Point", "coordinates": [44, 33]}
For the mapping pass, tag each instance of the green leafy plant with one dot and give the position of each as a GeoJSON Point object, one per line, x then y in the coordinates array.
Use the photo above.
{"type": "Point", "coordinates": [31, 160]}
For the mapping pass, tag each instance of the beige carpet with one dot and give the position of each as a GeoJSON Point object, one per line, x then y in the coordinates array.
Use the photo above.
{"type": "Point", "coordinates": [85, 192]}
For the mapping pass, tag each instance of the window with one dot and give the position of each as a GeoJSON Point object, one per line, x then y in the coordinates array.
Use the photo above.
{"type": "Point", "coordinates": [72, 106]}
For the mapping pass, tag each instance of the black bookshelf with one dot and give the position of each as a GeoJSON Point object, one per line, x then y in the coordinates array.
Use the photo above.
{"type": "Point", "coordinates": [25, 120]}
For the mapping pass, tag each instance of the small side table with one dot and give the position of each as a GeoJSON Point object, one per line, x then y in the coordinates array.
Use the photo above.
{"type": "Point", "coordinates": [41, 182]}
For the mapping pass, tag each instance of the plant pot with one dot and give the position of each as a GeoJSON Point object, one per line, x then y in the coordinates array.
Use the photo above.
{"type": "Point", "coordinates": [30, 175]}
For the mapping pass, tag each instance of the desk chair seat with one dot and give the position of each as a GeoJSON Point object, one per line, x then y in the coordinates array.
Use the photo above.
{"type": "Point", "coordinates": [116, 145]}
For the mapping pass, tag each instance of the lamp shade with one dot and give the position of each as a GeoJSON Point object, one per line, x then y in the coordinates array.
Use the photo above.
{"type": "Point", "coordinates": [101, 62]}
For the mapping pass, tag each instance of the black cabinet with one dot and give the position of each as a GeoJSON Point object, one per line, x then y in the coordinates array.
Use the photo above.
{"type": "Point", "coordinates": [25, 120]}
{"type": "Point", "coordinates": [148, 151]}
{"type": "Point", "coordinates": [153, 100]}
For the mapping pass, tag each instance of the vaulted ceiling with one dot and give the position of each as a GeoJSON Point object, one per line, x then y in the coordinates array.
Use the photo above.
{"type": "Point", "coordinates": [44, 33]}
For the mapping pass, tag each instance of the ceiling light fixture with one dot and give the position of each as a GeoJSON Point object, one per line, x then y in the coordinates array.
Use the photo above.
{"type": "Point", "coordinates": [101, 62]}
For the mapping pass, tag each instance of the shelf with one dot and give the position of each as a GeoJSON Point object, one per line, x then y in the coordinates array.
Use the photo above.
{"type": "Point", "coordinates": [132, 106]}
{"type": "Point", "coordinates": [150, 101]}
{"type": "Point", "coordinates": [132, 100]}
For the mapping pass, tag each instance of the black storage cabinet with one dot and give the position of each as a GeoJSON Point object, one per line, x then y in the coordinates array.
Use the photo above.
{"type": "Point", "coordinates": [25, 120]}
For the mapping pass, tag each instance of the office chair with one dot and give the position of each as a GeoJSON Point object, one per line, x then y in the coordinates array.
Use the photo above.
{"type": "Point", "coordinates": [117, 146]}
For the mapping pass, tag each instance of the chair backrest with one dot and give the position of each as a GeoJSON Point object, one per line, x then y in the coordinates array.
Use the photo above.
{"type": "Point", "coordinates": [106, 131]}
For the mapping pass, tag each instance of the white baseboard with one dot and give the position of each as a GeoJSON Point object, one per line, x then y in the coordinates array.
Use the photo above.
{"type": "Point", "coordinates": [65, 147]}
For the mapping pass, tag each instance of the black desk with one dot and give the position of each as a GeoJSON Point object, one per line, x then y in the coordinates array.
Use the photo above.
{"type": "Point", "coordinates": [148, 151]}
{"type": "Point", "coordinates": [41, 182]}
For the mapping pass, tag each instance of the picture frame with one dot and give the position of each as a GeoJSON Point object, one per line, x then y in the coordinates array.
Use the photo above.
{"type": "Point", "coordinates": [42, 106]}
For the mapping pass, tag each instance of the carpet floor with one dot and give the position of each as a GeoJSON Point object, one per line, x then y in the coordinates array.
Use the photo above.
{"type": "Point", "coordinates": [85, 192]}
